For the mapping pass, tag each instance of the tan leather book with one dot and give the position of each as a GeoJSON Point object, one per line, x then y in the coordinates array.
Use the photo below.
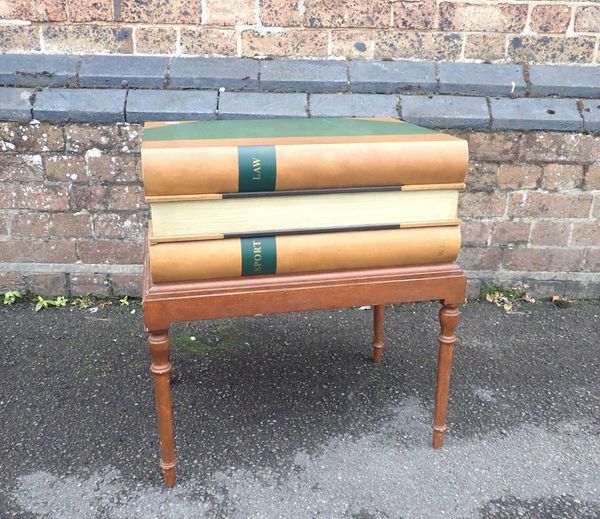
{"type": "Point", "coordinates": [206, 157]}
{"type": "Point", "coordinates": [302, 212]}
{"type": "Point", "coordinates": [264, 255]}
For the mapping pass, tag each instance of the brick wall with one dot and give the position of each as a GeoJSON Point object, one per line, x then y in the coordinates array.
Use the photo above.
{"type": "Point", "coordinates": [520, 31]}
{"type": "Point", "coordinates": [72, 213]}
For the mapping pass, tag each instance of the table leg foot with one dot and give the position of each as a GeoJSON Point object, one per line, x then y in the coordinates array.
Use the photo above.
{"type": "Point", "coordinates": [449, 316]}
{"type": "Point", "coordinates": [168, 474]}
{"type": "Point", "coordinates": [158, 344]}
{"type": "Point", "coordinates": [377, 332]}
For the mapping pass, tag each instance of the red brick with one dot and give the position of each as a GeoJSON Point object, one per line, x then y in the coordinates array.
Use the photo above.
{"type": "Point", "coordinates": [30, 138]}
{"type": "Point", "coordinates": [510, 233]}
{"type": "Point", "coordinates": [552, 49]}
{"type": "Point", "coordinates": [592, 262]}
{"type": "Point", "coordinates": [126, 284]}
{"type": "Point", "coordinates": [91, 198]}
{"type": "Point", "coordinates": [66, 168]}
{"type": "Point", "coordinates": [34, 11]}
{"type": "Point", "coordinates": [550, 205]}
{"type": "Point", "coordinates": [485, 46]}
{"type": "Point", "coordinates": [484, 258]}
{"type": "Point", "coordinates": [48, 284]}
{"type": "Point", "coordinates": [475, 233]}
{"type": "Point", "coordinates": [87, 39]}
{"type": "Point", "coordinates": [120, 225]}
{"type": "Point", "coordinates": [109, 168]}
{"type": "Point", "coordinates": [111, 251]}
{"type": "Point", "coordinates": [587, 19]}
{"type": "Point", "coordinates": [518, 176]}
{"type": "Point", "coordinates": [351, 13]}
{"type": "Point", "coordinates": [130, 138]}
{"type": "Point", "coordinates": [353, 43]}
{"type": "Point", "coordinates": [279, 13]}
{"type": "Point", "coordinates": [37, 251]}
{"type": "Point", "coordinates": [83, 137]}
{"type": "Point", "coordinates": [155, 40]}
{"type": "Point", "coordinates": [559, 147]}
{"type": "Point", "coordinates": [232, 12]}
{"type": "Point", "coordinates": [5, 218]}
{"type": "Point", "coordinates": [91, 10]}
{"type": "Point", "coordinates": [592, 177]}
{"type": "Point", "coordinates": [21, 168]}
{"type": "Point", "coordinates": [161, 11]}
{"type": "Point", "coordinates": [477, 205]}
{"type": "Point", "coordinates": [549, 233]}
{"type": "Point", "coordinates": [414, 15]}
{"type": "Point", "coordinates": [34, 196]}
{"type": "Point", "coordinates": [544, 260]}
{"type": "Point", "coordinates": [482, 176]}
{"type": "Point", "coordinates": [559, 177]}
{"type": "Point", "coordinates": [20, 38]}
{"type": "Point", "coordinates": [586, 233]}
{"type": "Point", "coordinates": [294, 43]}
{"type": "Point", "coordinates": [550, 18]}
{"type": "Point", "coordinates": [126, 198]}
{"type": "Point", "coordinates": [208, 41]}
{"type": "Point", "coordinates": [71, 225]}
{"type": "Point", "coordinates": [482, 17]}
{"type": "Point", "coordinates": [31, 225]}
{"type": "Point", "coordinates": [12, 281]}
{"type": "Point", "coordinates": [85, 284]}
{"type": "Point", "coordinates": [493, 146]}
{"type": "Point", "coordinates": [394, 44]}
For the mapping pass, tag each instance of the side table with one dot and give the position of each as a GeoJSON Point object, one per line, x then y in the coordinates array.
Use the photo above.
{"type": "Point", "coordinates": [167, 303]}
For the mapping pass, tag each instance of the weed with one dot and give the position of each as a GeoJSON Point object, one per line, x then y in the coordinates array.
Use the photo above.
{"type": "Point", "coordinates": [124, 301]}
{"type": "Point", "coordinates": [507, 298]}
{"type": "Point", "coordinates": [59, 302]}
{"type": "Point", "coordinates": [83, 302]}
{"type": "Point", "coordinates": [11, 296]}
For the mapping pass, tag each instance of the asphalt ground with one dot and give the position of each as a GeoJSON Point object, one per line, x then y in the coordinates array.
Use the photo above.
{"type": "Point", "coordinates": [285, 416]}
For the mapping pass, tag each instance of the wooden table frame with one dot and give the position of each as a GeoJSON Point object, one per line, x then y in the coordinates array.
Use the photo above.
{"type": "Point", "coordinates": [167, 303]}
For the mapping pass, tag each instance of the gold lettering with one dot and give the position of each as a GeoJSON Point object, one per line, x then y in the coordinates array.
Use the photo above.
{"type": "Point", "coordinates": [256, 167]}
{"type": "Point", "coordinates": [257, 256]}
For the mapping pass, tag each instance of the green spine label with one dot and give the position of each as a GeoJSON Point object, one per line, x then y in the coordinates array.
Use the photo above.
{"type": "Point", "coordinates": [259, 256]}
{"type": "Point", "coordinates": [257, 168]}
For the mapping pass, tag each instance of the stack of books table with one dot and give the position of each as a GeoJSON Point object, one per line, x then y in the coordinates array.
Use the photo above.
{"type": "Point", "coordinates": [269, 216]}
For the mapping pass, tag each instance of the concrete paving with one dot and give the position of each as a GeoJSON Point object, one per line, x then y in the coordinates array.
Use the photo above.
{"type": "Point", "coordinates": [284, 416]}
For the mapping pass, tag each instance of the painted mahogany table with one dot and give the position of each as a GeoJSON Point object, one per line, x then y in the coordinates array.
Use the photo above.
{"type": "Point", "coordinates": [167, 303]}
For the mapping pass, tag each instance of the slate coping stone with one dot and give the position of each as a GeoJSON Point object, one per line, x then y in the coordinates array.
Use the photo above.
{"type": "Point", "coordinates": [445, 111]}
{"type": "Point", "coordinates": [35, 70]}
{"type": "Point", "coordinates": [303, 76]}
{"type": "Point", "coordinates": [82, 105]}
{"type": "Point", "coordinates": [482, 79]}
{"type": "Point", "coordinates": [227, 73]}
{"type": "Point", "coordinates": [535, 114]}
{"type": "Point", "coordinates": [353, 105]}
{"type": "Point", "coordinates": [123, 71]}
{"type": "Point", "coordinates": [389, 77]}
{"type": "Point", "coordinates": [564, 81]}
{"type": "Point", "coordinates": [261, 105]}
{"type": "Point", "coordinates": [167, 105]}
{"type": "Point", "coordinates": [15, 104]}
{"type": "Point", "coordinates": [591, 115]}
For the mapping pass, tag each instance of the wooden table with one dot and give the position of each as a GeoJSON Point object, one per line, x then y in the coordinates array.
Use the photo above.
{"type": "Point", "coordinates": [167, 303]}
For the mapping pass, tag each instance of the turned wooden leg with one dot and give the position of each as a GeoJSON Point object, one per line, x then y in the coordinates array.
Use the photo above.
{"type": "Point", "coordinates": [377, 332]}
{"type": "Point", "coordinates": [448, 320]}
{"type": "Point", "coordinates": [158, 343]}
